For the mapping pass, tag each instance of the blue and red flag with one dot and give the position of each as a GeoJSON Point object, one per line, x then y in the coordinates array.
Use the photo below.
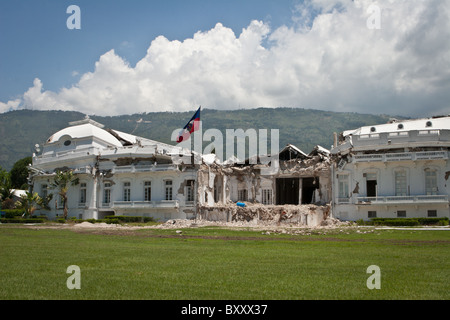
{"type": "Point", "coordinates": [191, 126]}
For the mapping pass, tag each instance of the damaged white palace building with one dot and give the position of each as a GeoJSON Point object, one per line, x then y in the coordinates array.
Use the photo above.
{"type": "Point", "coordinates": [393, 170]}
{"type": "Point", "coordinates": [398, 169]}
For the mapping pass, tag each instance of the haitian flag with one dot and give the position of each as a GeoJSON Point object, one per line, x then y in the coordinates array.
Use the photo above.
{"type": "Point", "coordinates": [191, 126]}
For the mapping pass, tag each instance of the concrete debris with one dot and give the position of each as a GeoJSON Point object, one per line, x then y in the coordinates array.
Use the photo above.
{"type": "Point", "coordinates": [86, 224]}
{"type": "Point", "coordinates": [257, 214]}
{"type": "Point", "coordinates": [268, 226]}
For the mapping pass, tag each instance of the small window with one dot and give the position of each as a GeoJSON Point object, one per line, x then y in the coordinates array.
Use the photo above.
{"type": "Point", "coordinates": [242, 195]}
{"type": "Point", "coordinates": [400, 126]}
{"type": "Point", "coordinates": [267, 196]}
{"type": "Point", "coordinates": [67, 143]}
{"type": "Point", "coordinates": [44, 191]}
{"type": "Point", "coordinates": [107, 193]}
{"type": "Point", "coordinates": [429, 124]}
{"type": "Point", "coordinates": [147, 191]}
{"type": "Point", "coordinates": [190, 190]}
{"type": "Point", "coordinates": [82, 193]}
{"type": "Point", "coordinates": [126, 191]}
{"type": "Point", "coordinates": [401, 214]}
{"type": "Point", "coordinates": [431, 182]}
{"type": "Point", "coordinates": [432, 213]}
{"type": "Point", "coordinates": [372, 214]}
{"type": "Point", "coordinates": [373, 129]}
{"type": "Point", "coordinates": [168, 184]}
{"type": "Point", "coordinates": [343, 186]}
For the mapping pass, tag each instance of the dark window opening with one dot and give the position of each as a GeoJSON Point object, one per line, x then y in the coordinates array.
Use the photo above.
{"type": "Point", "coordinates": [372, 214]}
{"type": "Point", "coordinates": [309, 186]}
{"type": "Point", "coordinates": [401, 213]}
{"type": "Point", "coordinates": [432, 213]}
{"type": "Point", "coordinates": [287, 191]}
{"type": "Point", "coordinates": [371, 188]}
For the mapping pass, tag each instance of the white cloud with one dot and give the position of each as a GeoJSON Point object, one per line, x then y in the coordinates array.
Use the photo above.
{"type": "Point", "coordinates": [10, 105]}
{"type": "Point", "coordinates": [329, 60]}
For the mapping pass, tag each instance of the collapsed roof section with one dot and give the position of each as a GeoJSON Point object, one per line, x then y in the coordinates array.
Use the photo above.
{"type": "Point", "coordinates": [290, 160]}
{"type": "Point", "coordinates": [288, 153]}
{"type": "Point", "coordinates": [291, 152]}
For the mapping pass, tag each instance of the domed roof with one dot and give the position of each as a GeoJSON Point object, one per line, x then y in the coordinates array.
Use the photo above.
{"type": "Point", "coordinates": [83, 129]}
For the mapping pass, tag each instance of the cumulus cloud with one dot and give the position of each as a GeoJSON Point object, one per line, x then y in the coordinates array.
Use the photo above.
{"type": "Point", "coordinates": [328, 59]}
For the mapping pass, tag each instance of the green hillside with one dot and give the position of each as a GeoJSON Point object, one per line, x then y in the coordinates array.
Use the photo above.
{"type": "Point", "coordinates": [305, 128]}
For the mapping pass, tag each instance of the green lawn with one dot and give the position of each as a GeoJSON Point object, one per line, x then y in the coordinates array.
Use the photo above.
{"type": "Point", "coordinates": [221, 264]}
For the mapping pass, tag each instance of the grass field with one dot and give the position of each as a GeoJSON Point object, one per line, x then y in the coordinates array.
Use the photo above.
{"type": "Point", "coordinates": [220, 264]}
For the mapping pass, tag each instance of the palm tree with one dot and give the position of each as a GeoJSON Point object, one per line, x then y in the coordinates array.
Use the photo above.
{"type": "Point", "coordinates": [29, 202]}
{"type": "Point", "coordinates": [63, 180]}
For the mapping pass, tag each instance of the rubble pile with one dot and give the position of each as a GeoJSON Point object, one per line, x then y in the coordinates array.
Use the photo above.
{"type": "Point", "coordinates": [257, 214]}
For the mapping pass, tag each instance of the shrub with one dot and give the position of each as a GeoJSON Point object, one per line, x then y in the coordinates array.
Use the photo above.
{"type": "Point", "coordinates": [21, 220]}
{"type": "Point", "coordinates": [11, 213]}
{"type": "Point", "coordinates": [112, 221]}
{"type": "Point", "coordinates": [433, 221]}
{"type": "Point", "coordinates": [408, 221]}
{"type": "Point", "coordinates": [361, 222]}
{"type": "Point", "coordinates": [8, 204]}
{"type": "Point", "coordinates": [395, 222]}
{"type": "Point", "coordinates": [126, 219]}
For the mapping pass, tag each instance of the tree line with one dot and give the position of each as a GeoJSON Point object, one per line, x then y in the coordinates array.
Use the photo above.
{"type": "Point", "coordinates": [28, 202]}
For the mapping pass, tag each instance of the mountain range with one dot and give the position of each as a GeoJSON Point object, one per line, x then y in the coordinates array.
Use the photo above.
{"type": "Point", "coordinates": [21, 130]}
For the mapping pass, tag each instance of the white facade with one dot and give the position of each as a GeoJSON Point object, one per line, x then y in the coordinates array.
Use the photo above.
{"type": "Point", "coordinates": [119, 174]}
{"type": "Point", "coordinates": [399, 169]}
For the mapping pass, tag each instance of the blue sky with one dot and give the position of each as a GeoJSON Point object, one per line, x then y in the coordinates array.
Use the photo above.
{"type": "Point", "coordinates": [133, 56]}
{"type": "Point", "coordinates": [37, 43]}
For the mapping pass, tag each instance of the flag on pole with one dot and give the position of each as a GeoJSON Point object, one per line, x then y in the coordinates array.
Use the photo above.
{"type": "Point", "coordinates": [191, 126]}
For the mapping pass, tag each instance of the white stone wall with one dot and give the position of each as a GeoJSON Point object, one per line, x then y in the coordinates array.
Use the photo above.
{"type": "Point", "coordinates": [385, 173]}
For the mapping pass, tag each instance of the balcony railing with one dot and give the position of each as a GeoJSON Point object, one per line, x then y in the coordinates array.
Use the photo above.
{"type": "Point", "coordinates": [162, 204]}
{"type": "Point", "coordinates": [387, 157]}
{"type": "Point", "coordinates": [147, 168]}
{"type": "Point", "coordinates": [56, 156]}
{"type": "Point", "coordinates": [403, 199]}
{"type": "Point", "coordinates": [344, 200]}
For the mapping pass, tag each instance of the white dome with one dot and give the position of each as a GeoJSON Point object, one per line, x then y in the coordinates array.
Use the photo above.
{"type": "Point", "coordinates": [84, 131]}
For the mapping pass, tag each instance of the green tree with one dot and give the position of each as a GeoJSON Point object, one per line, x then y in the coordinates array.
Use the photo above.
{"type": "Point", "coordinates": [63, 180]}
{"type": "Point", "coordinates": [5, 185]}
{"type": "Point", "coordinates": [29, 202]}
{"type": "Point", "coordinates": [19, 173]}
